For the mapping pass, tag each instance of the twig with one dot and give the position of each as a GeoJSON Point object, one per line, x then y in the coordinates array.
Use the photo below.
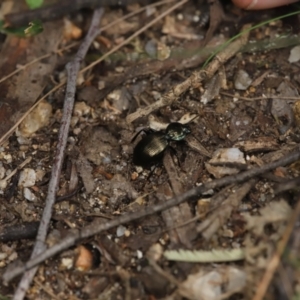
{"type": "Point", "coordinates": [266, 97]}
{"type": "Point", "coordinates": [163, 273]}
{"type": "Point", "coordinates": [275, 260]}
{"type": "Point", "coordinates": [192, 194]}
{"type": "Point", "coordinates": [155, 20]}
{"type": "Point", "coordinates": [47, 290]}
{"type": "Point", "coordinates": [20, 167]}
{"type": "Point", "coordinates": [27, 230]}
{"type": "Point", "coordinates": [195, 79]}
{"type": "Point", "coordinates": [57, 10]}
{"type": "Point", "coordinates": [72, 69]}
{"type": "Point", "coordinates": [23, 68]}
{"type": "Point", "coordinates": [222, 213]}
{"type": "Point", "coordinates": [12, 129]}
{"type": "Point", "coordinates": [109, 25]}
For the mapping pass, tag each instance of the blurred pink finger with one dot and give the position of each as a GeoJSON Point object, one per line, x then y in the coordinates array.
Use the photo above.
{"type": "Point", "coordinates": [261, 4]}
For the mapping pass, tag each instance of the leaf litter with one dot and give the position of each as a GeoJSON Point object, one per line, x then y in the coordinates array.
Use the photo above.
{"type": "Point", "coordinates": [99, 184]}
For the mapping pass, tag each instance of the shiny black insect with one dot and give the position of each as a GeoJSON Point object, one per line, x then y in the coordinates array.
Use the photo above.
{"type": "Point", "coordinates": [151, 148]}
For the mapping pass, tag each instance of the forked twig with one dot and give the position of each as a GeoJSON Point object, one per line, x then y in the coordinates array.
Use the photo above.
{"type": "Point", "coordinates": [192, 194]}
{"type": "Point", "coordinates": [109, 25]}
{"type": "Point", "coordinates": [72, 69]}
{"type": "Point", "coordinates": [275, 260]}
{"type": "Point", "coordinates": [12, 129]}
{"type": "Point", "coordinates": [59, 9]}
{"type": "Point", "coordinates": [195, 79]}
{"type": "Point", "coordinates": [137, 33]}
{"type": "Point", "coordinates": [23, 68]}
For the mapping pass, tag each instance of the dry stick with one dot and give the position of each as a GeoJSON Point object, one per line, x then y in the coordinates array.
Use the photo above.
{"type": "Point", "coordinates": [274, 262]}
{"type": "Point", "coordinates": [266, 97]}
{"type": "Point", "coordinates": [192, 194]}
{"type": "Point", "coordinates": [22, 68]}
{"type": "Point", "coordinates": [59, 9]}
{"type": "Point", "coordinates": [12, 129]}
{"type": "Point", "coordinates": [47, 290]}
{"type": "Point", "coordinates": [195, 79]}
{"type": "Point", "coordinates": [155, 20]}
{"type": "Point", "coordinates": [72, 69]}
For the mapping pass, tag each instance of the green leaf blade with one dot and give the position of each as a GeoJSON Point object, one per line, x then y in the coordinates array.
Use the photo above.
{"type": "Point", "coordinates": [32, 4]}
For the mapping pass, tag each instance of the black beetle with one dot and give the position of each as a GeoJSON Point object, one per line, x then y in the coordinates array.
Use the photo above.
{"type": "Point", "coordinates": [151, 148]}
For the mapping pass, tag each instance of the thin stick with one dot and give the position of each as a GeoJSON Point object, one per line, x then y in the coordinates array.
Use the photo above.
{"type": "Point", "coordinates": [13, 128]}
{"type": "Point", "coordinates": [155, 20]}
{"type": "Point", "coordinates": [275, 260]}
{"type": "Point", "coordinates": [72, 69]}
{"type": "Point", "coordinates": [195, 79]}
{"type": "Point", "coordinates": [23, 68]}
{"type": "Point", "coordinates": [58, 10]}
{"type": "Point", "coordinates": [47, 290]}
{"type": "Point", "coordinates": [192, 194]}
{"type": "Point", "coordinates": [259, 98]}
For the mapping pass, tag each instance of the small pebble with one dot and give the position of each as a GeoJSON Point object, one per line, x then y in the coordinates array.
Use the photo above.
{"type": "Point", "coordinates": [28, 194]}
{"type": "Point", "coordinates": [242, 80]}
{"type": "Point", "coordinates": [67, 263]}
{"type": "Point", "coordinates": [120, 230]}
{"type": "Point", "coordinates": [294, 55]}
{"type": "Point", "coordinates": [37, 119]}
{"type": "Point", "coordinates": [27, 178]}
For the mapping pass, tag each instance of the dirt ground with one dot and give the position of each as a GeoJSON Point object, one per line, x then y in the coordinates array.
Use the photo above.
{"type": "Point", "coordinates": [243, 116]}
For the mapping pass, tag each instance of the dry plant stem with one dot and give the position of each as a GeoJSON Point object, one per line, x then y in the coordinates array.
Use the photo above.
{"type": "Point", "coordinates": [72, 69]}
{"type": "Point", "coordinates": [59, 9]}
{"type": "Point", "coordinates": [4, 137]}
{"type": "Point", "coordinates": [192, 194]}
{"type": "Point", "coordinates": [11, 130]}
{"type": "Point", "coordinates": [275, 260]}
{"type": "Point", "coordinates": [195, 79]}
{"type": "Point", "coordinates": [21, 166]}
{"type": "Point", "coordinates": [155, 20]}
{"type": "Point", "coordinates": [23, 68]}
{"type": "Point", "coordinates": [47, 290]}
{"type": "Point", "coordinates": [27, 230]}
{"type": "Point", "coordinates": [259, 98]}
{"type": "Point", "coordinates": [222, 213]}
{"type": "Point", "coordinates": [163, 273]}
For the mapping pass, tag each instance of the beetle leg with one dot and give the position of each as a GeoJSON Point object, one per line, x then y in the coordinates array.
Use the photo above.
{"type": "Point", "coordinates": [151, 172]}
{"type": "Point", "coordinates": [173, 153]}
{"type": "Point", "coordinates": [146, 131]}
